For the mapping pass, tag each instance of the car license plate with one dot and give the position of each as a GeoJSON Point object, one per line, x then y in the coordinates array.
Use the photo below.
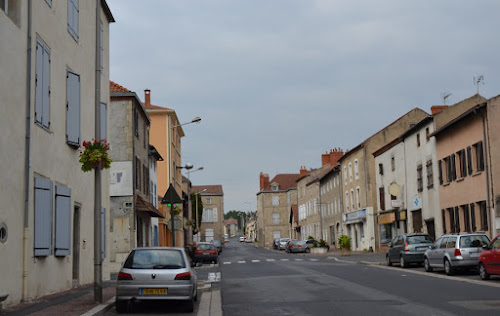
{"type": "Point", "coordinates": [474, 254]}
{"type": "Point", "coordinates": [205, 253]}
{"type": "Point", "coordinates": [160, 291]}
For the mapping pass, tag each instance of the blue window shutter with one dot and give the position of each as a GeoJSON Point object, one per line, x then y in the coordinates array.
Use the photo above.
{"type": "Point", "coordinates": [46, 89]}
{"type": "Point", "coordinates": [73, 108]}
{"type": "Point", "coordinates": [63, 221]}
{"type": "Point", "coordinates": [39, 83]}
{"type": "Point", "coordinates": [104, 120]}
{"type": "Point", "coordinates": [43, 217]}
{"type": "Point", "coordinates": [103, 233]}
{"type": "Point", "coordinates": [73, 18]}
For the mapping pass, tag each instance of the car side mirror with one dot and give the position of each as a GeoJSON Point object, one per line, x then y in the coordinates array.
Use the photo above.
{"type": "Point", "coordinates": [485, 247]}
{"type": "Point", "coordinates": [390, 244]}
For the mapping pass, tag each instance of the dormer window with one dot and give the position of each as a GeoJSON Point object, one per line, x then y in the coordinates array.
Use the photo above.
{"type": "Point", "coordinates": [274, 187]}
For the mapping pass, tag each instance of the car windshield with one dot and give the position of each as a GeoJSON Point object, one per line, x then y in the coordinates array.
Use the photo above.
{"type": "Point", "coordinates": [155, 259]}
{"type": "Point", "coordinates": [419, 239]}
{"type": "Point", "coordinates": [474, 241]}
{"type": "Point", "coordinates": [205, 247]}
{"type": "Point", "coordinates": [216, 242]}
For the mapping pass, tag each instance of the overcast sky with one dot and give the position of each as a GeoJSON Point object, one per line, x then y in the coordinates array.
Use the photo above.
{"type": "Point", "coordinates": [277, 83]}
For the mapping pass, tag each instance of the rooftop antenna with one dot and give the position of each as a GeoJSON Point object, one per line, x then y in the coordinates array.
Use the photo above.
{"type": "Point", "coordinates": [445, 96]}
{"type": "Point", "coordinates": [477, 81]}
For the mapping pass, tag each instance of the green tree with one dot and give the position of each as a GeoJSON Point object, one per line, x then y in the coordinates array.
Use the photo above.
{"type": "Point", "coordinates": [199, 211]}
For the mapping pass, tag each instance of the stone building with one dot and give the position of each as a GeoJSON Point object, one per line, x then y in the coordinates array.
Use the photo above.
{"type": "Point", "coordinates": [212, 222]}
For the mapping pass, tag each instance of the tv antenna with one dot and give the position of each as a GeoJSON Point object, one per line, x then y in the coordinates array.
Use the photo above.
{"type": "Point", "coordinates": [477, 81]}
{"type": "Point", "coordinates": [445, 96]}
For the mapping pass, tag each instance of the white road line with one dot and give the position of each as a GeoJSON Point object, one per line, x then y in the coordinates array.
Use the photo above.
{"type": "Point", "coordinates": [269, 260]}
{"type": "Point", "coordinates": [255, 261]}
{"type": "Point", "coordinates": [285, 259]}
{"type": "Point", "coordinates": [227, 262]}
{"type": "Point", "coordinates": [241, 261]}
{"type": "Point", "coordinates": [314, 259]}
{"type": "Point", "coordinates": [299, 259]}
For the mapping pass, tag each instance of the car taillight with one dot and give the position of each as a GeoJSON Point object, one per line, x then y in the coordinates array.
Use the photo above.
{"type": "Point", "coordinates": [300, 246]}
{"type": "Point", "coordinates": [124, 276]}
{"type": "Point", "coordinates": [457, 253]}
{"type": "Point", "coordinates": [406, 247]}
{"type": "Point", "coordinates": [183, 276]}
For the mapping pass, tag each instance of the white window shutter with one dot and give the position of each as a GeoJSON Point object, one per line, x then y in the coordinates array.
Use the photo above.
{"type": "Point", "coordinates": [39, 83]}
{"type": "Point", "coordinates": [63, 221]}
{"type": "Point", "coordinates": [43, 217]}
{"type": "Point", "coordinates": [46, 90]}
{"type": "Point", "coordinates": [73, 108]}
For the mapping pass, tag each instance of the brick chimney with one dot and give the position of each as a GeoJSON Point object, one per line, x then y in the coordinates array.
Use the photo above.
{"type": "Point", "coordinates": [333, 157]}
{"type": "Point", "coordinates": [303, 171]}
{"type": "Point", "coordinates": [437, 108]}
{"type": "Point", "coordinates": [264, 180]}
{"type": "Point", "coordinates": [147, 98]}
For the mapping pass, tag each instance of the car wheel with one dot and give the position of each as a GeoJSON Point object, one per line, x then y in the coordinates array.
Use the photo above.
{"type": "Point", "coordinates": [482, 272]}
{"type": "Point", "coordinates": [216, 261]}
{"type": "Point", "coordinates": [427, 265]}
{"type": "Point", "coordinates": [195, 298]}
{"type": "Point", "coordinates": [403, 262]}
{"type": "Point", "coordinates": [190, 306]}
{"type": "Point", "coordinates": [308, 250]}
{"type": "Point", "coordinates": [447, 267]}
{"type": "Point", "coordinates": [121, 306]}
{"type": "Point", "coordinates": [388, 260]}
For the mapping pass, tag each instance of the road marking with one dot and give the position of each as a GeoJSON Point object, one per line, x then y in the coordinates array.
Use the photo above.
{"type": "Point", "coordinates": [241, 261]}
{"type": "Point", "coordinates": [255, 261]}
{"type": "Point", "coordinates": [227, 262]}
{"type": "Point", "coordinates": [269, 260]}
{"type": "Point", "coordinates": [285, 259]}
{"type": "Point", "coordinates": [314, 259]}
{"type": "Point", "coordinates": [299, 259]}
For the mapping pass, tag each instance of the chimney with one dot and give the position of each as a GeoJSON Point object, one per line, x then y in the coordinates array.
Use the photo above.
{"type": "Point", "coordinates": [437, 108]}
{"type": "Point", "coordinates": [147, 98]}
{"type": "Point", "coordinates": [264, 180]}
{"type": "Point", "coordinates": [303, 171]}
{"type": "Point", "coordinates": [333, 157]}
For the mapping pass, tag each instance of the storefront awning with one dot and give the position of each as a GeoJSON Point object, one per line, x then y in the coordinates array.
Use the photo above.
{"type": "Point", "coordinates": [144, 206]}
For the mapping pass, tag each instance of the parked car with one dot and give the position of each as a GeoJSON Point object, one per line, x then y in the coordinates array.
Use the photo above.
{"type": "Point", "coordinates": [407, 249]}
{"type": "Point", "coordinates": [205, 252]}
{"type": "Point", "coordinates": [452, 252]}
{"type": "Point", "coordinates": [249, 240]}
{"type": "Point", "coordinates": [295, 245]}
{"type": "Point", "coordinates": [156, 273]}
{"type": "Point", "coordinates": [226, 238]}
{"type": "Point", "coordinates": [489, 259]}
{"type": "Point", "coordinates": [276, 243]}
{"type": "Point", "coordinates": [243, 238]}
{"type": "Point", "coordinates": [282, 243]}
{"type": "Point", "coordinates": [217, 244]}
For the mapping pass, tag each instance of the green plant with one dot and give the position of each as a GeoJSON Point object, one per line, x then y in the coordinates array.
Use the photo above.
{"type": "Point", "coordinates": [344, 242]}
{"type": "Point", "coordinates": [189, 223]}
{"type": "Point", "coordinates": [315, 242]}
{"type": "Point", "coordinates": [322, 243]}
{"type": "Point", "coordinates": [94, 154]}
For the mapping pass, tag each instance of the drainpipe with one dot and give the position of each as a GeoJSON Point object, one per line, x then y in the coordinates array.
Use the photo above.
{"type": "Point", "coordinates": [488, 204]}
{"type": "Point", "coordinates": [27, 158]}
{"type": "Point", "coordinates": [97, 176]}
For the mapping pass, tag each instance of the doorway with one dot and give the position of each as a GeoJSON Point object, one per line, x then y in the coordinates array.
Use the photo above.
{"type": "Point", "coordinates": [76, 245]}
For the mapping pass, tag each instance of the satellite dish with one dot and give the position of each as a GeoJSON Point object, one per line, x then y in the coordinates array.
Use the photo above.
{"type": "Point", "coordinates": [394, 189]}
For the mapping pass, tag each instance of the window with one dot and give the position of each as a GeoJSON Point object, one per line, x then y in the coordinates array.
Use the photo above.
{"type": "Point", "coordinates": [462, 165]}
{"type": "Point", "coordinates": [449, 164]}
{"type": "Point", "coordinates": [73, 18]}
{"type": "Point", "coordinates": [427, 133]}
{"type": "Point", "coordinates": [276, 219]}
{"type": "Point", "coordinates": [209, 201]}
{"type": "Point", "coordinates": [484, 215]}
{"type": "Point", "coordinates": [358, 198]}
{"type": "Point", "coordinates": [418, 139]}
{"type": "Point", "coordinates": [12, 8]}
{"type": "Point", "coordinates": [417, 221]}
{"type": "Point", "coordinates": [276, 234]}
{"type": "Point", "coordinates": [473, 217]}
{"type": "Point", "coordinates": [356, 169]}
{"type": "Point", "coordinates": [136, 123]}
{"type": "Point", "coordinates": [352, 199]}
{"type": "Point", "coordinates": [274, 187]}
{"type": "Point", "coordinates": [42, 85]}
{"type": "Point", "coordinates": [49, 2]}
{"type": "Point", "coordinates": [276, 200]}
{"type": "Point", "coordinates": [381, 194]}
{"type": "Point", "coordinates": [350, 172]}
{"type": "Point", "coordinates": [209, 215]}
{"type": "Point", "coordinates": [430, 174]}
{"type": "Point", "coordinates": [345, 175]}
{"type": "Point", "coordinates": [63, 221]}
{"type": "Point", "coordinates": [393, 164]}
{"type": "Point", "coordinates": [381, 169]}
{"type": "Point", "coordinates": [478, 150]}
{"type": "Point", "coordinates": [465, 210]}
{"type": "Point", "coordinates": [443, 215]}
{"type": "Point", "coordinates": [43, 217]}
{"type": "Point", "coordinates": [420, 181]}
{"type": "Point", "coordinates": [72, 108]}
{"type": "Point", "coordinates": [347, 201]}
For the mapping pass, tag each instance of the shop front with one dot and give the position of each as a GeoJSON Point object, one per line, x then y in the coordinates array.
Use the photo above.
{"type": "Point", "coordinates": [355, 223]}
{"type": "Point", "coordinates": [391, 224]}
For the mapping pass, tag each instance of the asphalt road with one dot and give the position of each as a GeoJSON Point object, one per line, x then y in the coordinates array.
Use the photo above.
{"type": "Point", "coordinates": [256, 281]}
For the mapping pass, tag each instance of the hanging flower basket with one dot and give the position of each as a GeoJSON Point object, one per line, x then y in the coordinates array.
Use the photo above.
{"type": "Point", "coordinates": [94, 154]}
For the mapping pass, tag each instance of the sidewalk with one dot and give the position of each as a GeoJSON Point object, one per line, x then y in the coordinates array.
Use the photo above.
{"type": "Point", "coordinates": [80, 301]}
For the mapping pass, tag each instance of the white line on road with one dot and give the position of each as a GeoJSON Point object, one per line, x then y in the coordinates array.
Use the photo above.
{"type": "Point", "coordinates": [255, 261]}
{"type": "Point", "coordinates": [314, 259]}
{"type": "Point", "coordinates": [285, 259]}
{"type": "Point", "coordinates": [227, 262]}
{"type": "Point", "coordinates": [299, 259]}
{"type": "Point", "coordinates": [269, 260]}
{"type": "Point", "coordinates": [242, 262]}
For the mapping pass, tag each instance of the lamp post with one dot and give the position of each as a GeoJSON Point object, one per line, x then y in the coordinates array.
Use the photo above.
{"type": "Point", "coordinates": [196, 211]}
{"type": "Point", "coordinates": [169, 140]}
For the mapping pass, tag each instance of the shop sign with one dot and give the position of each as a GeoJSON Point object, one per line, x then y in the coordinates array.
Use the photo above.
{"type": "Point", "coordinates": [402, 215]}
{"type": "Point", "coordinates": [396, 203]}
{"type": "Point", "coordinates": [387, 218]}
{"type": "Point", "coordinates": [355, 216]}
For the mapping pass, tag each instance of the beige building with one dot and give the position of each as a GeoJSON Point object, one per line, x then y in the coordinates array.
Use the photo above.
{"type": "Point", "coordinates": [212, 220]}
{"type": "Point", "coordinates": [331, 205]}
{"type": "Point", "coordinates": [50, 89]}
{"type": "Point", "coordinates": [359, 183]}
{"type": "Point", "coordinates": [274, 203]}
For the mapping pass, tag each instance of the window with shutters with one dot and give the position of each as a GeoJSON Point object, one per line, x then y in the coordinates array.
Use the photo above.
{"type": "Point", "coordinates": [479, 156]}
{"type": "Point", "coordinates": [358, 197]}
{"type": "Point", "coordinates": [347, 201]}
{"type": "Point", "coordinates": [43, 217]}
{"type": "Point", "coordinates": [350, 172]}
{"type": "Point", "coordinates": [381, 169]}
{"type": "Point", "coordinates": [345, 175]}
{"type": "Point", "coordinates": [356, 169]}
{"type": "Point", "coordinates": [12, 9]}
{"type": "Point", "coordinates": [420, 180]}
{"type": "Point", "coordinates": [466, 216]}
{"type": "Point", "coordinates": [63, 221]}
{"type": "Point", "coordinates": [42, 85]}
{"type": "Point", "coordinates": [393, 164]}
{"type": "Point", "coordinates": [276, 200]}
{"type": "Point", "coordinates": [462, 164]}
{"type": "Point", "coordinates": [72, 108]}
{"type": "Point", "coordinates": [430, 174]}
{"type": "Point", "coordinates": [73, 9]}
{"type": "Point", "coordinates": [484, 215]}
{"type": "Point", "coordinates": [418, 139]}
{"type": "Point", "coordinates": [381, 194]}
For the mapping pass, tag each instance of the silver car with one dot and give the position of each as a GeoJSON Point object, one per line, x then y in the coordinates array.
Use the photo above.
{"type": "Point", "coordinates": [452, 252]}
{"type": "Point", "coordinates": [153, 274]}
{"type": "Point", "coordinates": [282, 243]}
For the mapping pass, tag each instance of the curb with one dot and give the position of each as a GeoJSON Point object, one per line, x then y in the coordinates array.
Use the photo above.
{"type": "Point", "coordinates": [101, 309]}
